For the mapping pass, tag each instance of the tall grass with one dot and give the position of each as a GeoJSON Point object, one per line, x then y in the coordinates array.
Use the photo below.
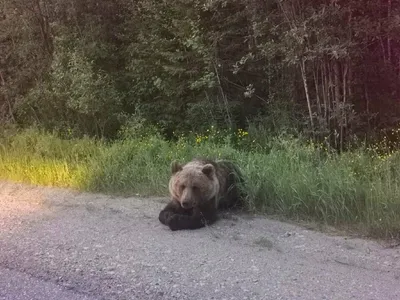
{"type": "Point", "coordinates": [283, 175]}
{"type": "Point", "coordinates": [42, 158]}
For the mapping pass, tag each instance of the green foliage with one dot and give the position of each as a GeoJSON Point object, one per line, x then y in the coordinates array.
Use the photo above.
{"type": "Point", "coordinates": [325, 69]}
{"type": "Point", "coordinates": [168, 61]}
{"type": "Point", "coordinates": [25, 54]}
{"type": "Point", "coordinates": [75, 96]}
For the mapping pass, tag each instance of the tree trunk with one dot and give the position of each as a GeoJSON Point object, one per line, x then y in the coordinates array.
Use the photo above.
{"type": "Point", "coordinates": [303, 75]}
{"type": "Point", "coordinates": [389, 15]}
{"type": "Point", "coordinates": [316, 83]}
{"type": "Point", "coordinates": [344, 108]}
{"type": "Point", "coordinates": [7, 99]}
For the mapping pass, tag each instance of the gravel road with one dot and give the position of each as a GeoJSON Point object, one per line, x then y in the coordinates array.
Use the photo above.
{"type": "Point", "coordinates": [61, 244]}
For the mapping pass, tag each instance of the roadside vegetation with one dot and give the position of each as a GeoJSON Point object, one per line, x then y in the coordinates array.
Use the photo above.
{"type": "Point", "coordinates": [284, 176]}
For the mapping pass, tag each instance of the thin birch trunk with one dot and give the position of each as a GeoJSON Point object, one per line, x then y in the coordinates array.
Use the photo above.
{"type": "Point", "coordinates": [303, 75]}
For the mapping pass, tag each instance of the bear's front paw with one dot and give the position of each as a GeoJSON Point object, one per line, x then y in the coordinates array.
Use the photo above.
{"type": "Point", "coordinates": [164, 216]}
{"type": "Point", "coordinates": [174, 223]}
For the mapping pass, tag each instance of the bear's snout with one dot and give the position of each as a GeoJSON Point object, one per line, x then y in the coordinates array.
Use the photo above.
{"type": "Point", "coordinates": [186, 204]}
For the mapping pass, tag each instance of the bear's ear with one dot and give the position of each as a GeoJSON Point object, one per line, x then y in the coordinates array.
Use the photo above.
{"type": "Point", "coordinates": [175, 167]}
{"type": "Point", "coordinates": [208, 170]}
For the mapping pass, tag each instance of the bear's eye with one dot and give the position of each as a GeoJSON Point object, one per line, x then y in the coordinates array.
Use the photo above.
{"type": "Point", "coordinates": [183, 187]}
{"type": "Point", "coordinates": [195, 188]}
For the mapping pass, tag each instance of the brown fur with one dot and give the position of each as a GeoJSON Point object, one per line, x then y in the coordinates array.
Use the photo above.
{"type": "Point", "coordinates": [198, 190]}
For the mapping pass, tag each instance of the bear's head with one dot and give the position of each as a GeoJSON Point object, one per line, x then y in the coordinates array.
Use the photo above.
{"type": "Point", "coordinates": [193, 183]}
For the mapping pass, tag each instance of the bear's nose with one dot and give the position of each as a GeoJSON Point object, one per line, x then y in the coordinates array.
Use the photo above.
{"type": "Point", "coordinates": [186, 204]}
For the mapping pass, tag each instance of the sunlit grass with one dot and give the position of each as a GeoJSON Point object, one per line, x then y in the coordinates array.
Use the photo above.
{"type": "Point", "coordinates": [41, 172]}
{"type": "Point", "coordinates": [45, 159]}
{"type": "Point", "coordinates": [284, 175]}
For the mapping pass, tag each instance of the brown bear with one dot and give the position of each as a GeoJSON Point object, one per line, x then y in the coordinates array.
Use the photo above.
{"type": "Point", "coordinates": [198, 190]}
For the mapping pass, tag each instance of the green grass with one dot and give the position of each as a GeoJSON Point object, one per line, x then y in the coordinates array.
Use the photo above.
{"type": "Point", "coordinates": [284, 176]}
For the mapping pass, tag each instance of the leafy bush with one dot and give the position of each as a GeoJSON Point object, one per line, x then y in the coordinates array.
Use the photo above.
{"type": "Point", "coordinates": [75, 97]}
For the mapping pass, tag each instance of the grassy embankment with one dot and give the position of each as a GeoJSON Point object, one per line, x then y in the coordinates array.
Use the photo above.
{"type": "Point", "coordinates": [284, 176]}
